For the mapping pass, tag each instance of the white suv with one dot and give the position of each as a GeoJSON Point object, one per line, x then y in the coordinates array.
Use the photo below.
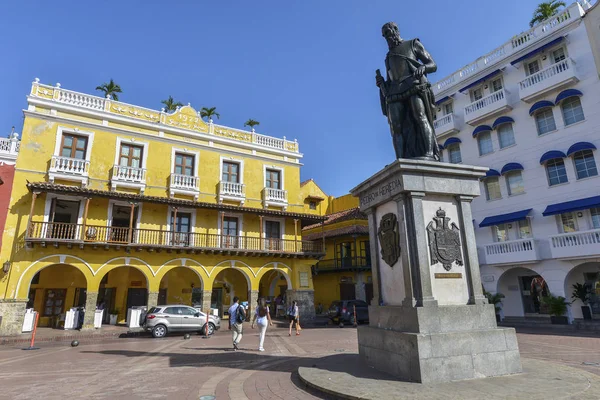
{"type": "Point", "coordinates": [161, 320]}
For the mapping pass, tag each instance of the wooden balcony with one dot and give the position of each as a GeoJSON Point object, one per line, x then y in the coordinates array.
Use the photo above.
{"type": "Point", "coordinates": [343, 265]}
{"type": "Point", "coordinates": [56, 234]}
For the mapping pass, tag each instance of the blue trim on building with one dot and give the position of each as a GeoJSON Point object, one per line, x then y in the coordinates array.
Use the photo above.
{"type": "Point", "coordinates": [551, 155]}
{"type": "Point", "coordinates": [539, 105]}
{"type": "Point", "coordinates": [565, 94]}
{"type": "Point", "coordinates": [539, 49]}
{"type": "Point", "coordinates": [481, 128]}
{"type": "Point", "coordinates": [504, 218]}
{"type": "Point", "coordinates": [502, 120]}
{"type": "Point", "coordinates": [480, 80]}
{"type": "Point", "coordinates": [573, 205]}
{"type": "Point", "coordinates": [452, 140]}
{"type": "Point", "coordinates": [440, 101]}
{"type": "Point", "coordinates": [513, 166]}
{"type": "Point", "coordinates": [580, 146]}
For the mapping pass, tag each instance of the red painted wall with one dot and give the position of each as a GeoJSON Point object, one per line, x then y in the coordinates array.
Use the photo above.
{"type": "Point", "coordinates": [7, 173]}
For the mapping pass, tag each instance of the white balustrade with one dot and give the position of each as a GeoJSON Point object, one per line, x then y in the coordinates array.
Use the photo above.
{"type": "Point", "coordinates": [129, 174]}
{"type": "Point", "coordinates": [276, 195]}
{"type": "Point", "coordinates": [79, 99]}
{"type": "Point", "coordinates": [232, 189]}
{"type": "Point", "coordinates": [547, 79]}
{"type": "Point", "coordinates": [546, 73]}
{"type": "Point", "coordinates": [268, 141]}
{"type": "Point", "coordinates": [511, 251]}
{"type": "Point", "coordinates": [486, 105]}
{"type": "Point", "coordinates": [516, 44]}
{"type": "Point", "coordinates": [445, 125]}
{"type": "Point", "coordinates": [576, 244]}
{"type": "Point", "coordinates": [179, 181]}
{"type": "Point", "coordinates": [71, 166]}
{"type": "Point", "coordinates": [9, 146]}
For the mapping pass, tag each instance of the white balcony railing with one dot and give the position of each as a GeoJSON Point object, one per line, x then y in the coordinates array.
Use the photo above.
{"type": "Point", "coordinates": [69, 166]}
{"type": "Point", "coordinates": [547, 79]}
{"type": "Point", "coordinates": [129, 174]}
{"type": "Point", "coordinates": [517, 44]}
{"type": "Point", "coordinates": [275, 195]}
{"type": "Point", "coordinates": [232, 190]}
{"type": "Point", "coordinates": [184, 182]}
{"type": "Point", "coordinates": [444, 125]}
{"type": "Point", "coordinates": [80, 99]}
{"type": "Point", "coordinates": [576, 244]}
{"type": "Point", "coordinates": [9, 148]}
{"type": "Point", "coordinates": [486, 106]}
{"type": "Point", "coordinates": [511, 251]}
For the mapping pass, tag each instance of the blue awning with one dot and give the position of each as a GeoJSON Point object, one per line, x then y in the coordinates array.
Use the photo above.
{"type": "Point", "coordinates": [580, 146]}
{"type": "Point", "coordinates": [490, 173]}
{"type": "Point", "coordinates": [504, 218]}
{"type": "Point", "coordinates": [565, 94]}
{"type": "Point", "coordinates": [513, 166]}
{"type": "Point", "coordinates": [539, 105]}
{"type": "Point", "coordinates": [478, 81]}
{"type": "Point", "coordinates": [573, 205]}
{"type": "Point", "coordinates": [502, 120]}
{"type": "Point", "coordinates": [440, 101]}
{"type": "Point", "coordinates": [441, 146]}
{"type": "Point", "coordinates": [451, 141]}
{"type": "Point", "coordinates": [539, 49]}
{"type": "Point", "coordinates": [551, 155]}
{"type": "Point", "coordinates": [481, 128]}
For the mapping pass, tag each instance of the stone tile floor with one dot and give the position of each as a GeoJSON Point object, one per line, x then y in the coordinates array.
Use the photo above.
{"type": "Point", "coordinates": [173, 368]}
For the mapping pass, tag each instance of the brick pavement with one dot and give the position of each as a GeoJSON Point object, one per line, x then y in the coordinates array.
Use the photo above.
{"type": "Point", "coordinates": [173, 368]}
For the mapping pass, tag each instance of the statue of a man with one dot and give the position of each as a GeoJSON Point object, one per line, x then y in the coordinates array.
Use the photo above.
{"type": "Point", "coordinates": [406, 97]}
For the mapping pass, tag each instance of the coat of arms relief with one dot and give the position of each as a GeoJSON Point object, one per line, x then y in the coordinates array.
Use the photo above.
{"type": "Point", "coordinates": [444, 241]}
{"type": "Point", "coordinates": [389, 239]}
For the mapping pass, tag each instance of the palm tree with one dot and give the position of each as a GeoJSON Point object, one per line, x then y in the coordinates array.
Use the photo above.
{"type": "Point", "coordinates": [251, 123]}
{"type": "Point", "coordinates": [545, 10]}
{"type": "Point", "coordinates": [110, 88]}
{"type": "Point", "coordinates": [171, 104]}
{"type": "Point", "coordinates": [209, 112]}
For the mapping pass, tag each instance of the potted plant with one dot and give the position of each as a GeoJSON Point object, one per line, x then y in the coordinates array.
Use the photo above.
{"type": "Point", "coordinates": [582, 293]}
{"type": "Point", "coordinates": [113, 315]}
{"type": "Point", "coordinates": [496, 300]}
{"type": "Point", "coordinates": [557, 306]}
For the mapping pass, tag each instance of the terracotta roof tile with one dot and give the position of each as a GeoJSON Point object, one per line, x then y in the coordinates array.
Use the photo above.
{"type": "Point", "coordinates": [352, 213]}
{"type": "Point", "coordinates": [347, 230]}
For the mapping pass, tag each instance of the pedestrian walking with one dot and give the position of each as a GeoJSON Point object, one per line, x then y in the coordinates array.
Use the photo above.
{"type": "Point", "coordinates": [262, 318]}
{"type": "Point", "coordinates": [237, 316]}
{"type": "Point", "coordinates": [294, 317]}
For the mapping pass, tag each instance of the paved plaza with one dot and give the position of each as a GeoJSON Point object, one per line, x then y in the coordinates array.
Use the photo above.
{"type": "Point", "coordinates": [174, 368]}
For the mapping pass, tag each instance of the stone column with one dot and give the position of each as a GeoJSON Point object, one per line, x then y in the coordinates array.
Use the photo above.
{"type": "Point", "coordinates": [470, 250]}
{"type": "Point", "coordinates": [206, 299]}
{"type": "Point", "coordinates": [405, 251]}
{"type": "Point", "coordinates": [252, 300]}
{"type": "Point", "coordinates": [12, 315]}
{"type": "Point", "coordinates": [152, 299]}
{"type": "Point", "coordinates": [91, 299]}
{"type": "Point", "coordinates": [419, 259]}
{"type": "Point", "coordinates": [305, 300]}
{"type": "Point", "coordinates": [360, 286]}
{"type": "Point", "coordinates": [374, 247]}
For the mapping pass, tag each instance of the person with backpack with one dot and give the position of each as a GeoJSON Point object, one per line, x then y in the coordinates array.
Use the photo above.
{"type": "Point", "coordinates": [262, 318]}
{"type": "Point", "coordinates": [237, 316]}
{"type": "Point", "coordinates": [294, 317]}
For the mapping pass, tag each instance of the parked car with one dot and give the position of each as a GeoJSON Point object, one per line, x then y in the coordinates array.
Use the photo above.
{"type": "Point", "coordinates": [343, 311]}
{"type": "Point", "coordinates": [161, 320]}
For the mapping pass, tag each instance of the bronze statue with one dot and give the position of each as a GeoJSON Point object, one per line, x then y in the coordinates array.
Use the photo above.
{"type": "Point", "coordinates": [406, 96]}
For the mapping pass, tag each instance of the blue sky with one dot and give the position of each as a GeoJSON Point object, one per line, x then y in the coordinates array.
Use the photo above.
{"type": "Point", "coordinates": [304, 69]}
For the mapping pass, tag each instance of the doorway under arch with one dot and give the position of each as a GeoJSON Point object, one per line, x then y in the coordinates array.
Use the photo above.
{"type": "Point", "coordinates": [523, 289]}
{"type": "Point", "coordinates": [54, 290]}
{"type": "Point", "coordinates": [587, 274]}
{"type": "Point", "coordinates": [229, 283]}
{"type": "Point", "coordinates": [120, 289]}
{"type": "Point", "coordinates": [181, 285]}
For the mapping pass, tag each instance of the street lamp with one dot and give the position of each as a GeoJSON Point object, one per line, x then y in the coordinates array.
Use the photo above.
{"type": "Point", "coordinates": [6, 267]}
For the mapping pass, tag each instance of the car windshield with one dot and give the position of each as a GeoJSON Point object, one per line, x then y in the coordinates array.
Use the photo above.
{"type": "Point", "coordinates": [154, 310]}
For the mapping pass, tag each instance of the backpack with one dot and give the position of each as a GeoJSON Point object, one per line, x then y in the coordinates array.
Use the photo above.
{"type": "Point", "coordinates": [240, 316]}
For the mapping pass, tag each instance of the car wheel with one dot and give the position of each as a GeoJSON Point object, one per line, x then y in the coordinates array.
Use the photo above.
{"type": "Point", "coordinates": [159, 331]}
{"type": "Point", "coordinates": [211, 329]}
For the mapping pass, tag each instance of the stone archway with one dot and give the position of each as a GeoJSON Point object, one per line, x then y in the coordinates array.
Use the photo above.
{"type": "Point", "coordinates": [181, 285]}
{"type": "Point", "coordinates": [122, 287]}
{"type": "Point", "coordinates": [228, 284]}
{"type": "Point", "coordinates": [523, 289]}
{"type": "Point", "coordinates": [588, 274]}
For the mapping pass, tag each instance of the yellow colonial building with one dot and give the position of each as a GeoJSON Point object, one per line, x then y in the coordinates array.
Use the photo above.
{"type": "Point", "coordinates": [344, 273]}
{"type": "Point", "coordinates": [115, 206]}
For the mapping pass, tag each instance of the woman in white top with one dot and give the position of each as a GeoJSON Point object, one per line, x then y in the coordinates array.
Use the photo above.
{"type": "Point", "coordinates": [262, 317]}
{"type": "Point", "coordinates": [294, 317]}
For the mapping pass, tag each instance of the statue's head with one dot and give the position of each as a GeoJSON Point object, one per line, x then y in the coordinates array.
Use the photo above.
{"type": "Point", "coordinates": [391, 33]}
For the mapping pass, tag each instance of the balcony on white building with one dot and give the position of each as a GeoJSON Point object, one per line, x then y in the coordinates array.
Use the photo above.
{"type": "Point", "coordinates": [128, 177]}
{"type": "Point", "coordinates": [520, 251]}
{"type": "Point", "coordinates": [551, 78]}
{"type": "Point", "coordinates": [576, 244]}
{"type": "Point", "coordinates": [275, 197]}
{"type": "Point", "coordinates": [9, 148]}
{"type": "Point", "coordinates": [445, 125]}
{"type": "Point", "coordinates": [487, 107]}
{"type": "Point", "coordinates": [232, 191]}
{"type": "Point", "coordinates": [69, 169]}
{"type": "Point", "coordinates": [184, 184]}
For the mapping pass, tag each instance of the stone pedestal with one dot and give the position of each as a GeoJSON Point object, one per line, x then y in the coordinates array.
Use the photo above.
{"type": "Point", "coordinates": [91, 298]}
{"type": "Point", "coordinates": [429, 320]}
{"type": "Point", "coordinates": [305, 300]}
{"type": "Point", "coordinates": [12, 314]}
{"type": "Point", "coordinates": [152, 300]}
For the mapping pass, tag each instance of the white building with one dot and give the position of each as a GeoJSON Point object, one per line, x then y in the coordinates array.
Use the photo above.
{"type": "Point", "coordinates": [530, 111]}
